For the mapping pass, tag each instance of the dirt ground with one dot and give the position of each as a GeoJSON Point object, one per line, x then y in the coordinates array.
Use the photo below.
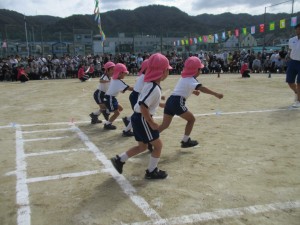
{"type": "Point", "coordinates": [55, 166]}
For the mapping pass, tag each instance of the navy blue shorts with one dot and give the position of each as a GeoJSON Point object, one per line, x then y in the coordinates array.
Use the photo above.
{"type": "Point", "coordinates": [293, 69]}
{"type": "Point", "coordinates": [175, 105]}
{"type": "Point", "coordinates": [111, 103]}
{"type": "Point", "coordinates": [133, 98]}
{"type": "Point", "coordinates": [141, 129]}
{"type": "Point", "coordinates": [99, 97]}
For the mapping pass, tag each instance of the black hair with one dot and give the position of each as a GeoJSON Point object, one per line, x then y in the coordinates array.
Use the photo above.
{"type": "Point", "coordinates": [298, 25]}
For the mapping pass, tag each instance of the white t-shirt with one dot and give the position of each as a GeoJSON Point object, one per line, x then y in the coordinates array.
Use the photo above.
{"type": "Point", "coordinates": [139, 83]}
{"type": "Point", "coordinates": [185, 87]}
{"type": "Point", "coordinates": [104, 86]}
{"type": "Point", "coordinates": [149, 96]}
{"type": "Point", "coordinates": [115, 87]}
{"type": "Point", "coordinates": [294, 44]}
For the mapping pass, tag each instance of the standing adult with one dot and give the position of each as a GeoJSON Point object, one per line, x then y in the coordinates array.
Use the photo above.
{"type": "Point", "coordinates": [293, 69]}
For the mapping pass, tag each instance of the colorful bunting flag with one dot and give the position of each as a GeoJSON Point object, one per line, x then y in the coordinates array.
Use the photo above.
{"type": "Point", "coordinates": [182, 42]}
{"type": "Point", "coordinates": [200, 39]}
{"type": "Point", "coordinates": [272, 26]}
{"type": "Point", "coordinates": [244, 31]}
{"type": "Point", "coordinates": [187, 41]}
{"type": "Point", "coordinates": [204, 38]}
{"type": "Point", "coordinates": [237, 32]}
{"type": "Point", "coordinates": [282, 24]}
{"type": "Point", "coordinates": [98, 20]}
{"type": "Point", "coordinates": [223, 35]}
{"type": "Point", "coordinates": [216, 37]}
{"type": "Point", "coordinates": [294, 21]}
{"type": "Point", "coordinates": [195, 40]}
{"type": "Point", "coordinates": [253, 30]}
{"type": "Point", "coordinates": [229, 33]}
{"type": "Point", "coordinates": [262, 28]}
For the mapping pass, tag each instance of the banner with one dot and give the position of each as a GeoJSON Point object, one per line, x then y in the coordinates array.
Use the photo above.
{"type": "Point", "coordinates": [244, 30]}
{"type": "Point", "coordinates": [282, 24]}
{"type": "Point", "coordinates": [272, 26]}
{"type": "Point", "coordinates": [223, 35]}
{"type": "Point", "coordinates": [262, 28]}
{"type": "Point", "coordinates": [237, 32]}
{"type": "Point", "coordinates": [294, 21]}
{"type": "Point", "coordinates": [253, 30]}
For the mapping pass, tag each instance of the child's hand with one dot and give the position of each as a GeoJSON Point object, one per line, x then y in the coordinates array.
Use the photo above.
{"type": "Point", "coordinates": [196, 92]}
{"type": "Point", "coordinates": [219, 96]}
{"type": "Point", "coordinates": [163, 97]}
{"type": "Point", "coordinates": [162, 105]}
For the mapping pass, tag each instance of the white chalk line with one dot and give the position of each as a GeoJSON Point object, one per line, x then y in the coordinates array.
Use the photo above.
{"type": "Point", "coordinates": [55, 152]}
{"type": "Point", "coordinates": [125, 185]}
{"type": "Point", "coordinates": [160, 117]}
{"type": "Point", "coordinates": [61, 176]}
{"type": "Point", "coordinates": [22, 193]}
{"type": "Point", "coordinates": [45, 139]}
{"type": "Point", "coordinates": [224, 213]}
{"type": "Point", "coordinates": [42, 131]}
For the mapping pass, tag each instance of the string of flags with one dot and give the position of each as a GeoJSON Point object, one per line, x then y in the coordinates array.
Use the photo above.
{"type": "Point", "coordinates": [98, 20]}
{"type": "Point", "coordinates": [215, 38]}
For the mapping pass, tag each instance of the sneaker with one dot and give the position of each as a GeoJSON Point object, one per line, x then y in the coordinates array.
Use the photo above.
{"type": "Point", "coordinates": [94, 119]}
{"type": "Point", "coordinates": [125, 121]}
{"type": "Point", "coordinates": [109, 127]}
{"type": "Point", "coordinates": [296, 97]}
{"type": "Point", "coordinates": [105, 115]}
{"type": "Point", "coordinates": [156, 174]}
{"type": "Point", "coordinates": [116, 161]}
{"type": "Point", "coordinates": [150, 147]}
{"type": "Point", "coordinates": [189, 143]}
{"type": "Point", "coordinates": [296, 104]}
{"type": "Point", "coordinates": [127, 133]}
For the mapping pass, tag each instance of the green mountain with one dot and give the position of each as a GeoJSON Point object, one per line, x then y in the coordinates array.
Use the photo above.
{"type": "Point", "coordinates": [151, 20]}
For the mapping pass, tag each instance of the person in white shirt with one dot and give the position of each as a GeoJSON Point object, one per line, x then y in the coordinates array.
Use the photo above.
{"type": "Point", "coordinates": [145, 128]}
{"type": "Point", "coordinates": [175, 104]}
{"type": "Point", "coordinates": [293, 69]}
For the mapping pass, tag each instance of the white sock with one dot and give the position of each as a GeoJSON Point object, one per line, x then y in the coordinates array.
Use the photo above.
{"type": "Point", "coordinates": [123, 157]}
{"type": "Point", "coordinates": [97, 113]}
{"type": "Point", "coordinates": [107, 122]}
{"type": "Point", "coordinates": [129, 127]}
{"type": "Point", "coordinates": [185, 138]}
{"type": "Point", "coordinates": [152, 163]}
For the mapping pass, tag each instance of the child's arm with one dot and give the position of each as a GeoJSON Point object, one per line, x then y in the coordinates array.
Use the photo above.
{"type": "Point", "coordinates": [208, 91]}
{"type": "Point", "coordinates": [148, 118]}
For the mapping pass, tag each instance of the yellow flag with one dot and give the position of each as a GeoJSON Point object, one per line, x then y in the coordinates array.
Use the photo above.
{"type": "Point", "coordinates": [282, 23]}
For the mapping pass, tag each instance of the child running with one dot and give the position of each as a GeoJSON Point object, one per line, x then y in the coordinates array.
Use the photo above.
{"type": "Point", "coordinates": [115, 87]}
{"type": "Point", "coordinates": [175, 104]}
{"type": "Point", "coordinates": [145, 129]}
{"type": "Point", "coordinates": [133, 97]}
{"type": "Point", "coordinates": [100, 93]}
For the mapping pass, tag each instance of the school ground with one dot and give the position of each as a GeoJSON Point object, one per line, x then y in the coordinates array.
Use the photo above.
{"type": "Point", "coordinates": [55, 166]}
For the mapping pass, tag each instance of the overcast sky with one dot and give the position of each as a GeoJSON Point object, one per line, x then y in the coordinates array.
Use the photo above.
{"type": "Point", "coordinates": [65, 8]}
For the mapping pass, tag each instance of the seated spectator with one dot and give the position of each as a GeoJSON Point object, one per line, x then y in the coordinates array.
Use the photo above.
{"type": "Point", "coordinates": [256, 65]}
{"type": "Point", "coordinates": [81, 74]}
{"type": "Point", "coordinates": [245, 70]}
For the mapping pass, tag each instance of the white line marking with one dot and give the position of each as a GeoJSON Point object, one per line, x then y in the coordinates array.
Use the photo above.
{"type": "Point", "coordinates": [61, 176]}
{"type": "Point", "coordinates": [55, 152]}
{"type": "Point", "coordinates": [45, 139]}
{"type": "Point", "coordinates": [40, 131]}
{"type": "Point", "coordinates": [224, 213]}
{"type": "Point", "coordinates": [160, 117]}
{"type": "Point", "coordinates": [121, 180]}
{"type": "Point", "coordinates": [22, 194]}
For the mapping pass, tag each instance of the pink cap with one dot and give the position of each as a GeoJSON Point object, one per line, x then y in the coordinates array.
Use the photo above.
{"type": "Point", "coordinates": [108, 65]}
{"type": "Point", "coordinates": [143, 67]}
{"type": "Point", "coordinates": [119, 68]}
{"type": "Point", "coordinates": [191, 67]}
{"type": "Point", "coordinates": [157, 64]}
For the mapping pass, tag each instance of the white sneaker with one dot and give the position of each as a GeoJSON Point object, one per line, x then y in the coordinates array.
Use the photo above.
{"type": "Point", "coordinates": [296, 97]}
{"type": "Point", "coordinates": [296, 104]}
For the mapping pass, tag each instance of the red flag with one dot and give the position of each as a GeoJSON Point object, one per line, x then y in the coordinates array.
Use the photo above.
{"type": "Point", "coordinates": [262, 28]}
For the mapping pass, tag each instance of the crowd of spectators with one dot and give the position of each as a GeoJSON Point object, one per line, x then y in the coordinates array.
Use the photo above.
{"type": "Point", "coordinates": [52, 67]}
